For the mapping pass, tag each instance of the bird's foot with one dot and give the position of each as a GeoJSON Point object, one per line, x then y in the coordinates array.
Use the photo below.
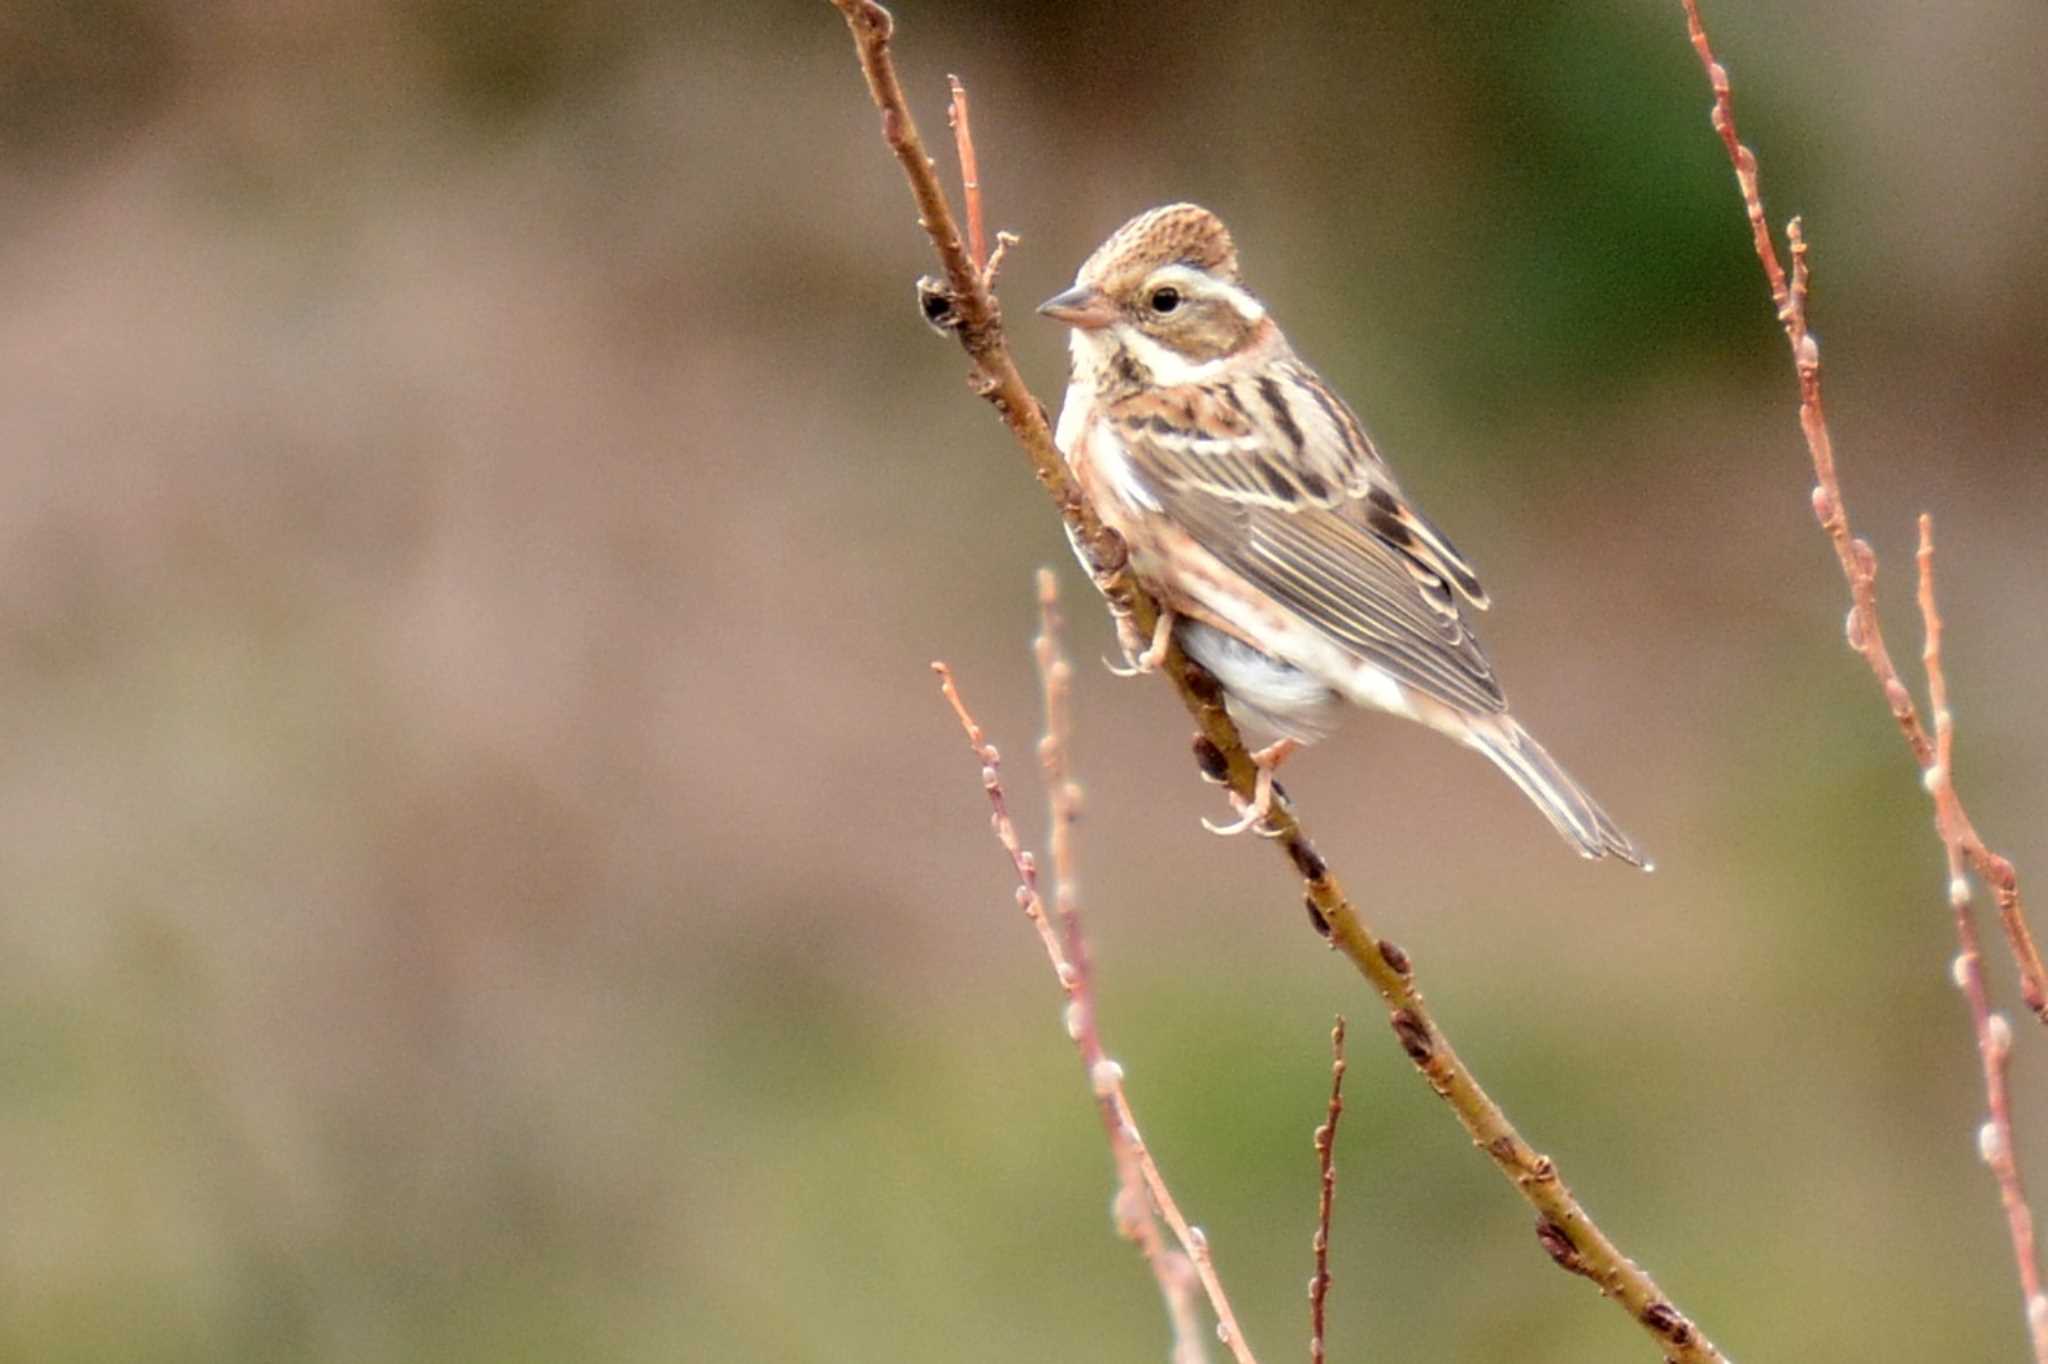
{"type": "Point", "coordinates": [1141, 658]}
{"type": "Point", "coordinates": [1253, 812]}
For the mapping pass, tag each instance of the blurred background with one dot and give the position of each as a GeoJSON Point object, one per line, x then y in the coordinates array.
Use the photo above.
{"type": "Point", "coordinates": [487, 875]}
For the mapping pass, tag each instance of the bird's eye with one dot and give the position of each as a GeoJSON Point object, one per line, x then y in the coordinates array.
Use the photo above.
{"type": "Point", "coordinates": [1165, 300]}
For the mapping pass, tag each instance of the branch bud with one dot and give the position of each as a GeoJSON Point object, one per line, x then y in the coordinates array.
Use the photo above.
{"type": "Point", "coordinates": [1105, 1076]}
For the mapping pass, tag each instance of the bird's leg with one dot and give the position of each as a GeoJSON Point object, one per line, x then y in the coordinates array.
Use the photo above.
{"type": "Point", "coordinates": [1255, 810]}
{"type": "Point", "coordinates": [1146, 659]}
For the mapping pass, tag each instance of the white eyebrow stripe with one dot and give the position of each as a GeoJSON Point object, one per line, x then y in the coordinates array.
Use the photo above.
{"type": "Point", "coordinates": [1208, 286]}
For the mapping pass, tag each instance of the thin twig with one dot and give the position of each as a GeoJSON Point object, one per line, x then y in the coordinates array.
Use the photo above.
{"type": "Point", "coordinates": [970, 174]}
{"type": "Point", "coordinates": [1140, 1186]}
{"type": "Point", "coordinates": [1994, 1034]}
{"type": "Point", "coordinates": [1028, 897]}
{"type": "Point", "coordinates": [1194, 1241]}
{"type": "Point", "coordinates": [1564, 1227]}
{"type": "Point", "coordinates": [1136, 1173]}
{"type": "Point", "coordinates": [1326, 1164]}
{"type": "Point", "coordinates": [1934, 755]}
{"type": "Point", "coordinates": [1063, 797]}
{"type": "Point", "coordinates": [1858, 561]}
{"type": "Point", "coordinates": [974, 317]}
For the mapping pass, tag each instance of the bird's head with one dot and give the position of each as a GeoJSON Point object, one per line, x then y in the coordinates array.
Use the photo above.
{"type": "Point", "coordinates": [1162, 293]}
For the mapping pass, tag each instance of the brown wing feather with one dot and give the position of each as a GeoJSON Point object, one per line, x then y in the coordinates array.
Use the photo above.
{"type": "Point", "coordinates": [1277, 480]}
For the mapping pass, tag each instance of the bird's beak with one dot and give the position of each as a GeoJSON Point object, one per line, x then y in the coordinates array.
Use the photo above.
{"type": "Point", "coordinates": [1082, 306]}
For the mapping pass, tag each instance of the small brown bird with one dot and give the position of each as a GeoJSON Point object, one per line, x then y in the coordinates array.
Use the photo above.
{"type": "Point", "coordinates": [1275, 536]}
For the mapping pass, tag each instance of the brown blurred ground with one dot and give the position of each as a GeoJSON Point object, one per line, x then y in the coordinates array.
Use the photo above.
{"type": "Point", "coordinates": [487, 876]}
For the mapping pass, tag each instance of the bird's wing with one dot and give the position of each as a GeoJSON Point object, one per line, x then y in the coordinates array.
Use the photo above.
{"type": "Point", "coordinates": [1274, 477]}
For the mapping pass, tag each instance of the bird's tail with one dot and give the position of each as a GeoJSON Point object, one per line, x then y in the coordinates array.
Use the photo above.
{"type": "Point", "coordinates": [1573, 813]}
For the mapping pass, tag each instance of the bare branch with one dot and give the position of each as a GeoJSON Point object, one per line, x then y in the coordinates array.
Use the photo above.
{"type": "Point", "coordinates": [1994, 1034]}
{"type": "Point", "coordinates": [970, 174]}
{"type": "Point", "coordinates": [1140, 1187]}
{"type": "Point", "coordinates": [975, 318]}
{"type": "Point", "coordinates": [1063, 799]}
{"type": "Point", "coordinates": [1221, 752]}
{"type": "Point", "coordinates": [1858, 560]}
{"type": "Point", "coordinates": [1326, 1163]}
{"type": "Point", "coordinates": [1935, 755]}
{"type": "Point", "coordinates": [1028, 897]}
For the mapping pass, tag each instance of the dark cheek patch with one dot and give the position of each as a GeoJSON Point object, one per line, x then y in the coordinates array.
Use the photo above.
{"type": "Point", "coordinates": [1199, 330]}
{"type": "Point", "coordinates": [1214, 339]}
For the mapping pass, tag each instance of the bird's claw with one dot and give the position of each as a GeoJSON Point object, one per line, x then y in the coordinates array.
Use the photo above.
{"type": "Point", "coordinates": [1250, 812]}
{"type": "Point", "coordinates": [1138, 660]}
{"type": "Point", "coordinates": [1254, 812]}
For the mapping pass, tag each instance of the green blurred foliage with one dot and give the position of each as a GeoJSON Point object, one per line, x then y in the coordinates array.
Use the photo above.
{"type": "Point", "coordinates": [488, 879]}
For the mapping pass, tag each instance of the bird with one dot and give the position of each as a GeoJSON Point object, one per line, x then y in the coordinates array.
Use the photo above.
{"type": "Point", "coordinates": [1285, 557]}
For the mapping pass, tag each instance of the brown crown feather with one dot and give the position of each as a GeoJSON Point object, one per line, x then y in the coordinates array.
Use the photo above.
{"type": "Point", "coordinates": [1184, 233]}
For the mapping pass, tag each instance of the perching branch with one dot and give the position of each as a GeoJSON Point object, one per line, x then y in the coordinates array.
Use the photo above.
{"type": "Point", "coordinates": [964, 304]}
{"type": "Point", "coordinates": [1858, 560]}
{"type": "Point", "coordinates": [1935, 756]}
